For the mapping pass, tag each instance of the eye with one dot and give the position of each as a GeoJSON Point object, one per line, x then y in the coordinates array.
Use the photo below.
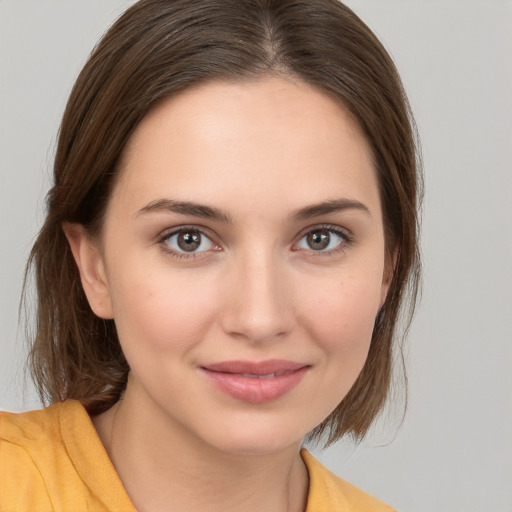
{"type": "Point", "coordinates": [188, 240]}
{"type": "Point", "coordinates": [322, 240]}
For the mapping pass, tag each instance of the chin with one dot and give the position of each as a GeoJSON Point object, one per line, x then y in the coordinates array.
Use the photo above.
{"type": "Point", "coordinates": [254, 437]}
{"type": "Point", "coordinates": [247, 447]}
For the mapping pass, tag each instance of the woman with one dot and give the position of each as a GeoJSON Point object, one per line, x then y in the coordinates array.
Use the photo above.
{"type": "Point", "coordinates": [229, 240]}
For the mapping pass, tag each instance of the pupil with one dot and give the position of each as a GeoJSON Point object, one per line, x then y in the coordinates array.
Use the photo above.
{"type": "Point", "coordinates": [189, 241]}
{"type": "Point", "coordinates": [318, 240]}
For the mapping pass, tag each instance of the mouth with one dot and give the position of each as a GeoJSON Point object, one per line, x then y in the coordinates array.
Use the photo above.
{"type": "Point", "coordinates": [265, 376]}
{"type": "Point", "coordinates": [255, 382]}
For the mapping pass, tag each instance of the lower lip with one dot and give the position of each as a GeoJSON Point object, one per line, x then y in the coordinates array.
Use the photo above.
{"type": "Point", "coordinates": [253, 389]}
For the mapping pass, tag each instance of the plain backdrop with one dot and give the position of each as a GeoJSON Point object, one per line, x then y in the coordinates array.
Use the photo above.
{"type": "Point", "coordinates": [453, 452]}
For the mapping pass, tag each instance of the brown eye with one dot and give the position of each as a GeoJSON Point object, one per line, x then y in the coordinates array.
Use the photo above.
{"type": "Point", "coordinates": [322, 240]}
{"type": "Point", "coordinates": [318, 240]}
{"type": "Point", "coordinates": [188, 241]}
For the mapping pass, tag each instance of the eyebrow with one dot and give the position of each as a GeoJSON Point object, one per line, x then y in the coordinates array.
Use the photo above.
{"type": "Point", "coordinates": [210, 212]}
{"type": "Point", "coordinates": [327, 207]}
{"type": "Point", "coordinates": [185, 208]}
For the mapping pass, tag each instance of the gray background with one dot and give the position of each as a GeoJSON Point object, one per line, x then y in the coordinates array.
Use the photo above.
{"type": "Point", "coordinates": [453, 452]}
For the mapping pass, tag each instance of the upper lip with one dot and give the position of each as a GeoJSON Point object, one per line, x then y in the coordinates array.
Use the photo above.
{"type": "Point", "coordinates": [270, 366]}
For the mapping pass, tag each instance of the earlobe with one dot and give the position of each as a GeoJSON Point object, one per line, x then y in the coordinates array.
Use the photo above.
{"type": "Point", "coordinates": [91, 267]}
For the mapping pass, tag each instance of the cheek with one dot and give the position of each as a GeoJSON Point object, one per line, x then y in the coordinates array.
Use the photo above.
{"type": "Point", "coordinates": [341, 316]}
{"type": "Point", "coordinates": [340, 320]}
{"type": "Point", "coordinates": [158, 310]}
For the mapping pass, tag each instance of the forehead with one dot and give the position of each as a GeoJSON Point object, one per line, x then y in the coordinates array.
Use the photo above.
{"type": "Point", "coordinates": [263, 143]}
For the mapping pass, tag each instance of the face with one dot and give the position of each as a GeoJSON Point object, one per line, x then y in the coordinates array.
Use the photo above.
{"type": "Point", "coordinates": [242, 258]}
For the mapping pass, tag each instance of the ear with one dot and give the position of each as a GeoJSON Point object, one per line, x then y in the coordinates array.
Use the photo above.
{"type": "Point", "coordinates": [389, 271]}
{"type": "Point", "coordinates": [91, 266]}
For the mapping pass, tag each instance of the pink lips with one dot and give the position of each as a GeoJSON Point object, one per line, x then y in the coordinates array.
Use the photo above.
{"type": "Point", "coordinates": [256, 382]}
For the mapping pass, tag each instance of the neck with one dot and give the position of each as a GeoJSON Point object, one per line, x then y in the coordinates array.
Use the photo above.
{"type": "Point", "coordinates": [163, 465]}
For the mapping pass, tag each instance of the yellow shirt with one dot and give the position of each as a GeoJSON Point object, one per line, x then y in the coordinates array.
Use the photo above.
{"type": "Point", "coordinates": [53, 460]}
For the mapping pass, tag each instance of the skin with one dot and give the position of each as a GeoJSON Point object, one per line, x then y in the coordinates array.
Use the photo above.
{"type": "Point", "coordinates": [260, 152]}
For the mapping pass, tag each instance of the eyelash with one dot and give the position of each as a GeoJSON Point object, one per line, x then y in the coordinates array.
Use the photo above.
{"type": "Point", "coordinates": [166, 236]}
{"type": "Point", "coordinates": [345, 236]}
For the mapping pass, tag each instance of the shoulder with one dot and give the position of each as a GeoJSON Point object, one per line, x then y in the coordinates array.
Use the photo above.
{"type": "Point", "coordinates": [329, 492]}
{"type": "Point", "coordinates": [27, 441]}
{"type": "Point", "coordinates": [37, 433]}
{"type": "Point", "coordinates": [48, 461]}
{"type": "Point", "coordinates": [29, 427]}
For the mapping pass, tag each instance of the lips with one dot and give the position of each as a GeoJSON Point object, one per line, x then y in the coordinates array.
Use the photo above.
{"type": "Point", "coordinates": [255, 382]}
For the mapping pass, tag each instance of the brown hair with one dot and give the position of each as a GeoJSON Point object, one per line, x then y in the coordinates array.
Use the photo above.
{"type": "Point", "coordinates": [156, 49]}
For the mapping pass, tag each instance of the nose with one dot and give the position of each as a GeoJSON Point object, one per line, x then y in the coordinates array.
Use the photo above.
{"type": "Point", "coordinates": [258, 306]}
